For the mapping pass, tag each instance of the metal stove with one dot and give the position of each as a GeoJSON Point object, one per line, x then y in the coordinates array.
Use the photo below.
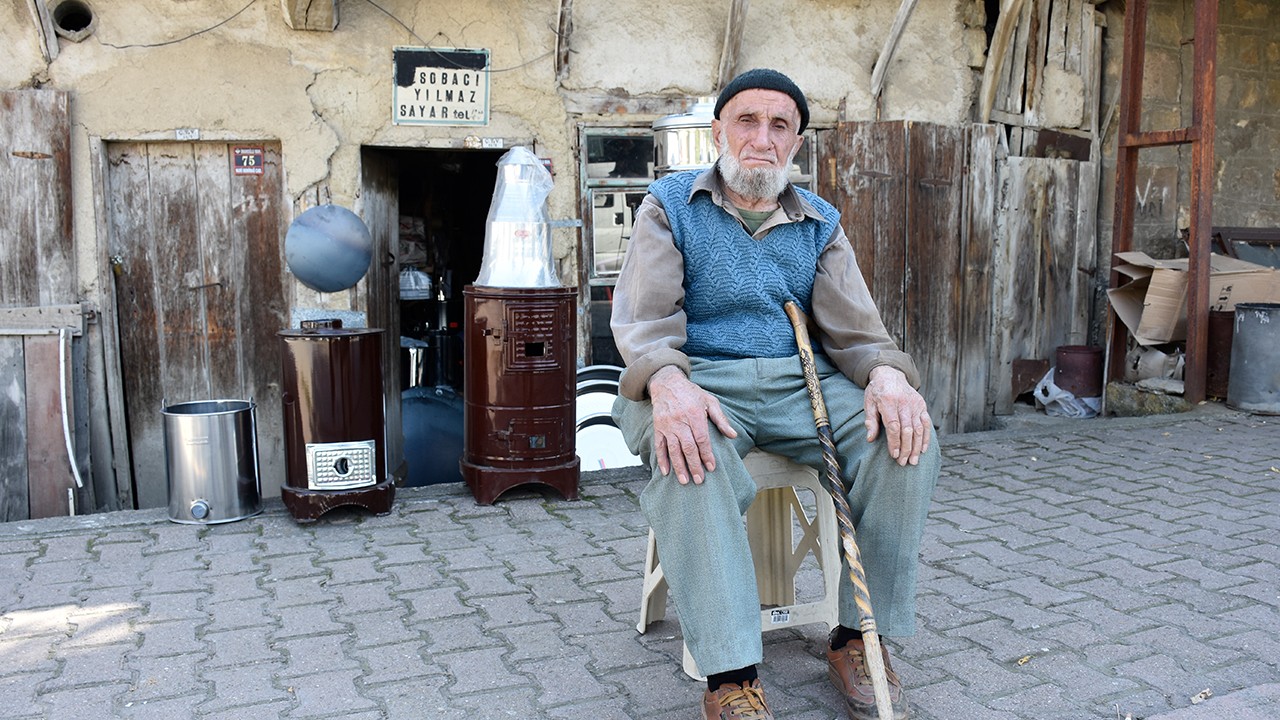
{"type": "Point", "coordinates": [333, 420]}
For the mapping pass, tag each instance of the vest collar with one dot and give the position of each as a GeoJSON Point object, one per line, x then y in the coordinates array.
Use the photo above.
{"type": "Point", "coordinates": [791, 202]}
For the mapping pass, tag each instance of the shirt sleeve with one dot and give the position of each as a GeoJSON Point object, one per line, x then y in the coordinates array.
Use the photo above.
{"type": "Point", "coordinates": [648, 319]}
{"type": "Point", "coordinates": [850, 329]}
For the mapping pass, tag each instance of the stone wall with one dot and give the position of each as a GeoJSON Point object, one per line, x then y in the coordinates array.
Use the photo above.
{"type": "Point", "coordinates": [1247, 192]}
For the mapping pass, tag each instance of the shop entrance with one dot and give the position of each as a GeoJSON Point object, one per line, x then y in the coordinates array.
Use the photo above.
{"type": "Point", "coordinates": [438, 201]}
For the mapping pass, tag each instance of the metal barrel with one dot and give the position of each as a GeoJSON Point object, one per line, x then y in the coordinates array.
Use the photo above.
{"type": "Point", "coordinates": [1254, 381]}
{"type": "Point", "coordinates": [211, 456]}
{"type": "Point", "coordinates": [1079, 370]}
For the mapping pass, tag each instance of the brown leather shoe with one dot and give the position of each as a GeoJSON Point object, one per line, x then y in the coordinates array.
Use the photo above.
{"type": "Point", "coordinates": [847, 669]}
{"type": "Point", "coordinates": [736, 702]}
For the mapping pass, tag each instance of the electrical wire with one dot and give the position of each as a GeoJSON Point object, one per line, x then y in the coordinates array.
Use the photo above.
{"type": "Point", "coordinates": [186, 37]}
{"type": "Point", "coordinates": [449, 40]}
{"type": "Point", "coordinates": [384, 11]}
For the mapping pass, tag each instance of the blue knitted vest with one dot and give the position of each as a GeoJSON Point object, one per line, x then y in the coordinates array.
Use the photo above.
{"type": "Point", "coordinates": [735, 285]}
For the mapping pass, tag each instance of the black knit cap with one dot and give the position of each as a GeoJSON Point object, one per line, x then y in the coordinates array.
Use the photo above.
{"type": "Point", "coordinates": [765, 79]}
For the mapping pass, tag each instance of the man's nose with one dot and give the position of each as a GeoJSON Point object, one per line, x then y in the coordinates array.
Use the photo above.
{"type": "Point", "coordinates": [761, 138]}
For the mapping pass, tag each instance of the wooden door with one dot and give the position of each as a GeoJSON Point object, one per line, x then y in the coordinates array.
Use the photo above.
{"type": "Point", "coordinates": [196, 247]}
{"type": "Point", "coordinates": [1045, 268]}
{"type": "Point", "coordinates": [380, 184]}
{"type": "Point", "coordinates": [37, 300]}
{"type": "Point", "coordinates": [915, 201]}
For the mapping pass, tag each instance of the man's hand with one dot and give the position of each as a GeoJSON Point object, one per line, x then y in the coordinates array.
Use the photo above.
{"type": "Point", "coordinates": [681, 411]}
{"type": "Point", "coordinates": [891, 400]}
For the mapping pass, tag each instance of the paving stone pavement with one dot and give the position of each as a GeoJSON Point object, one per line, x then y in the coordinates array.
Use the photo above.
{"type": "Point", "coordinates": [1080, 570]}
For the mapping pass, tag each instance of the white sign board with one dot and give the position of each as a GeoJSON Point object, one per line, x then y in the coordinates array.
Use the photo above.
{"type": "Point", "coordinates": [440, 86]}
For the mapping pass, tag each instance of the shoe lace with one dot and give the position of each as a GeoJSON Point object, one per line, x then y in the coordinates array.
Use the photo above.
{"type": "Point", "coordinates": [746, 702]}
{"type": "Point", "coordinates": [859, 661]}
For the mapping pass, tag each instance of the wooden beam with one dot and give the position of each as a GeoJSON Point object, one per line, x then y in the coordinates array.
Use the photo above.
{"type": "Point", "coordinates": [732, 42]}
{"type": "Point", "coordinates": [886, 52]}
{"type": "Point", "coordinates": [621, 103]}
{"type": "Point", "coordinates": [44, 26]}
{"type": "Point", "coordinates": [44, 320]}
{"type": "Point", "coordinates": [110, 391]}
{"type": "Point", "coordinates": [1010, 11]}
{"type": "Point", "coordinates": [564, 29]}
{"type": "Point", "coordinates": [319, 15]}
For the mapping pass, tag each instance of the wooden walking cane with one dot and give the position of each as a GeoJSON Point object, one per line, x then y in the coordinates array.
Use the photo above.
{"type": "Point", "coordinates": [844, 516]}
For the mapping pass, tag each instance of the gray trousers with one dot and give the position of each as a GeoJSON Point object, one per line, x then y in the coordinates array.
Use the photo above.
{"type": "Point", "coordinates": [702, 540]}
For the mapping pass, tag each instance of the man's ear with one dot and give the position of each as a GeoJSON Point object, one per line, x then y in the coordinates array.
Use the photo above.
{"type": "Point", "coordinates": [717, 127]}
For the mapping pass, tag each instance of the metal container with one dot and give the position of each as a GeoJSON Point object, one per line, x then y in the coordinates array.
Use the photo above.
{"type": "Point", "coordinates": [1254, 383]}
{"type": "Point", "coordinates": [520, 361]}
{"type": "Point", "coordinates": [1079, 370]}
{"type": "Point", "coordinates": [683, 141]}
{"type": "Point", "coordinates": [333, 420]}
{"type": "Point", "coordinates": [211, 456]}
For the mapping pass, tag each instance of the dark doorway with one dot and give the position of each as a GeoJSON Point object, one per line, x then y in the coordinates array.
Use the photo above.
{"type": "Point", "coordinates": [443, 200]}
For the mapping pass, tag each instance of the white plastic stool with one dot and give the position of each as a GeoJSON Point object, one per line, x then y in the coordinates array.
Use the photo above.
{"type": "Point", "coordinates": [777, 557]}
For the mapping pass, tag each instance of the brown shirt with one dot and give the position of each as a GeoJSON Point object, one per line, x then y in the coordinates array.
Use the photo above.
{"type": "Point", "coordinates": [648, 315]}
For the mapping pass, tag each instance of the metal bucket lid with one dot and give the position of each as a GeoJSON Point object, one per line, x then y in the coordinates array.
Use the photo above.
{"type": "Point", "coordinates": [700, 114]}
{"type": "Point", "coordinates": [209, 407]}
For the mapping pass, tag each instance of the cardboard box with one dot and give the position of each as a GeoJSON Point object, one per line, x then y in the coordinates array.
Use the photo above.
{"type": "Point", "coordinates": [1153, 303]}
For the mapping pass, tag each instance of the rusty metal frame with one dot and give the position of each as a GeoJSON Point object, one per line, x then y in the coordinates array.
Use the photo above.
{"type": "Point", "coordinates": [1200, 136]}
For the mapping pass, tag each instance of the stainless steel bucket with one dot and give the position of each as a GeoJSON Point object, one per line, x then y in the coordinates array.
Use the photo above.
{"type": "Point", "coordinates": [211, 455]}
{"type": "Point", "coordinates": [1253, 384]}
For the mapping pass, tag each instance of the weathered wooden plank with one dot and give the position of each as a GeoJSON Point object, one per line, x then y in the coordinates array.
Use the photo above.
{"type": "Point", "coordinates": [1086, 260]}
{"type": "Point", "coordinates": [382, 214]}
{"type": "Point", "coordinates": [37, 263]}
{"type": "Point", "coordinates": [1014, 277]}
{"type": "Point", "coordinates": [48, 467]}
{"type": "Point", "coordinates": [734, 26]}
{"type": "Point", "coordinates": [139, 309]}
{"type": "Point", "coordinates": [111, 468]}
{"type": "Point", "coordinates": [1014, 91]}
{"type": "Point", "coordinates": [13, 431]}
{"type": "Point", "coordinates": [178, 273]}
{"type": "Point", "coordinates": [871, 165]}
{"type": "Point", "coordinates": [222, 263]}
{"type": "Point", "coordinates": [257, 222]}
{"type": "Point", "coordinates": [1091, 61]}
{"type": "Point", "coordinates": [1037, 42]}
{"type": "Point", "coordinates": [974, 367]}
{"type": "Point", "coordinates": [1042, 294]}
{"type": "Point", "coordinates": [995, 72]}
{"type": "Point", "coordinates": [1078, 38]}
{"type": "Point", "coordinates": [886, 52]}
{"type": "Point", "coordinates": [1056, 239]}
{"type": "Point", "coordinates": [932, 299]}
{"type": "Point", "coordinates": [39, 320]}
{"type": "Point", "coordinates": [1056, 34]}
{"type": "Point", "coordinates": [43, 20]}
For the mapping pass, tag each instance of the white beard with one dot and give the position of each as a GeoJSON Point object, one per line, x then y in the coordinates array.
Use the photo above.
{"type": "Point", "coordinates": [752, 183]}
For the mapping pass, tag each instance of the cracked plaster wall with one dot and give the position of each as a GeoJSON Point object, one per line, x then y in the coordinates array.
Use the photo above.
{"type": "Point", "coordinates": [324, 95]}
{"type": "Point", "coordinates": [828, 47]}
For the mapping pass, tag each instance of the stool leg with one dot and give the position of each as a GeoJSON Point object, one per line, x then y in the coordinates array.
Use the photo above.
{"type": "Point", "coordinates": [769, 532]}
{"type": "Point", "coordinates": [653, 594]}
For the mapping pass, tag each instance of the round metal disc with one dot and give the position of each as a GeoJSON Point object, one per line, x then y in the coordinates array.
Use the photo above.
{"type": "Point", "coordinates": [328, 248]}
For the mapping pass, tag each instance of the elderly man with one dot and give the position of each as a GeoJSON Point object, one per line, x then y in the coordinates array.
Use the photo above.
{"type": "Point", "coordinates": [712, 371]}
